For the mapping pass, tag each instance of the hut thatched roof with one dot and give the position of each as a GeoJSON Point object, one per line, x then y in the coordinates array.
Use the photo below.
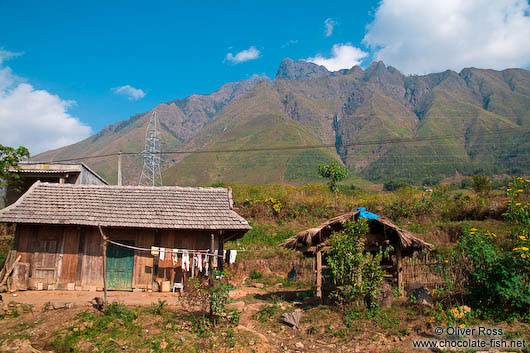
{"type": "Point", "coordinates": [308, 240]}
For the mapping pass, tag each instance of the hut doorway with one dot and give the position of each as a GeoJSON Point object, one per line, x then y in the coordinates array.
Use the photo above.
{"type": "Point", "coordinates": [120, 265]}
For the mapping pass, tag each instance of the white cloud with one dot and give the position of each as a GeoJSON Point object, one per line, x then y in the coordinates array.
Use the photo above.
{"type": "Point", "coordinates": [329, 25]}
{"type": "Point", "coordinates": [244, 55]}
{"type": "Point", "coordinates": [34, 118]}
{"type": "Point", "coordinates": [418, 36]}
{"type": "Point", "coordinates": [130, 92]}
{"type": "Point", "coordinates": [6, 55]}
{"type": "Point", "coordinates": [344, 56]}
{"type": "Point", "coordinates": [289, 43]}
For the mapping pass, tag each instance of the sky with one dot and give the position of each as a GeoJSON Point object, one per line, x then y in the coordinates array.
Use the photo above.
{"type": "Point", "coordinates": [70, 68]}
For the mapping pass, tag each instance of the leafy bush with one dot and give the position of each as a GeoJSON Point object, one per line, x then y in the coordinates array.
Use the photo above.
{"type": "Point", "coordinates": [158, 308]}
{"type": "Point", "coordinates": [394, 184]}
{"type": "Point", "coordinates": [497, 278]}
{"type": "Point", "coordinates": [265, 235]}
{"type": "Point", "coordinates": [432, 181]}
{"type": "Point", "coordinates": [334, 172]}
{"type": "Point", "coordinates": [267, 312]}
{"type": "Point", "coordinates": [480, 183]}
{"type": "Point", "coordinates": [255, 274]}
{"type": "Point", "coordinates": [355, 274]}
{"type": "Point", "coordinates": [217, 295]}
{"type": "Point", "coordinates": [497, 269]}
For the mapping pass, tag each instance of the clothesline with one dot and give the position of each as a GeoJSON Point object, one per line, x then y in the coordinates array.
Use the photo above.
{"type": "Point", "coordinates": [174, 251]}
{"type": "Point", "coordinates": [178, 251]}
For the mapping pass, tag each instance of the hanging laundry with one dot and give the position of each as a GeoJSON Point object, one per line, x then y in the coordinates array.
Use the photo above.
{"type": "Point", "coordinates": [162, 253]}
{"type": "Point", "coordinates": [206, 266]}
{"type": "Point", "coordinates": [154, 250]}
{"type": "Point", "coordinates": [226, 255]}
{"type": "Point", "coordinates": [185, 260]}
{"type": "Point", "coordinates": [175, 256]}
{"type": "Point", "coordinates": [193, 262]}
{"type": "Point", "coordinates": [199, 262]}
{"type": "Point", "coordinates": [215, 255]}
{"type": "Point", "coordinates": [233, 254]}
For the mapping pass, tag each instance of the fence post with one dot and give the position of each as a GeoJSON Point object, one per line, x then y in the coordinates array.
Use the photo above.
{"type": "Point", "coordinates": [399, 265]}
{"type": "Point", "coordinates": [319, 274]}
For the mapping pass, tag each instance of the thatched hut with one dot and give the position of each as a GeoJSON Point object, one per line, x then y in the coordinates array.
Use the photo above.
{"type": "Point", "coordinates": [382, 234]}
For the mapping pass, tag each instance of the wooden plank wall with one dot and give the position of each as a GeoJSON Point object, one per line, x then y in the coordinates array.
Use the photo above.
{"type": "Point", "coordinates": [178, 239]}
{"type": "Point", "coordinates": [77, 250]}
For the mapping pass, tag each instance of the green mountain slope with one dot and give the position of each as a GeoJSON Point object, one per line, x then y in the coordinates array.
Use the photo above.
{"type": "Point", "coordinates": [308, 105]}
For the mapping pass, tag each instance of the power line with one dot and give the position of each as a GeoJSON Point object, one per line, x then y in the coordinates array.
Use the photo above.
{"type": "Point", "coordinates": [307, 147]}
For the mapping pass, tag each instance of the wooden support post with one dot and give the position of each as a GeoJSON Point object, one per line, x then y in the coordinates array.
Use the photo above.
{"type": "Point", "coordinates": [104, 249]}
{"type": "Point", "coordinates": [399, 269]}
{"type": "Point", "coordinates": [319, 274]}
{"type": "Point", "coordinates": [119, 169]}
{"type": "Point", "coordinates": [210, 259]}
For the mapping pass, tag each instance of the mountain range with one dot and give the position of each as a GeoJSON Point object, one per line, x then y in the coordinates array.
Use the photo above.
{"type": "Point", "coordinates": [473, 121]}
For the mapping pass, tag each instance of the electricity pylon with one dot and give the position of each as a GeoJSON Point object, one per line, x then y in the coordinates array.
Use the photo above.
{"type": "Point", "coordinates": [151, 173]}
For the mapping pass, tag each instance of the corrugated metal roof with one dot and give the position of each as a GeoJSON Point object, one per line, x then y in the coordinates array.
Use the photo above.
{"type": "Point", "coordinates": [46, 171]}
{"type": "Point", "coordinates": [166, 207]}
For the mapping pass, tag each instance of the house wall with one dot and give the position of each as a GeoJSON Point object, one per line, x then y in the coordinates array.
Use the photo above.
{"type": "Point", "coordinates": [72, 254]}
{"type": "Point", "coordinates": [87, 177]}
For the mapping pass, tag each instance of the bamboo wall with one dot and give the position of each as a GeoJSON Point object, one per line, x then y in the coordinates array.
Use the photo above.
{"type": "Point", "coordinates": [430, 272]}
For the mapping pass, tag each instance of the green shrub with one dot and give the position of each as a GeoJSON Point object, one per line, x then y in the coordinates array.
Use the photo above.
{"type": "Point", "coordinates": [480, 183]}
{"type": "Point", "coordinates": [264, 234]}
{"type": "Point", "coordinates": [333, 171]}
{"type": "Point", "coordinates": [497, 269]}
{"type": "Point", "coordinates": [394, 184]}
{"type": "Point", "coordinates": [355, 274]}
{"type": "Point", "coordinates": [255, 274]}
{"type": "Point", "coordinates": [267, 312]}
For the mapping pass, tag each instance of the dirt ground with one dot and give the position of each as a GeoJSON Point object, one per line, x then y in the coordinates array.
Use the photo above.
{"type": "Point", "coordinates": [84, 298]}
{"type": "Point", "coordinates": [259, 330]}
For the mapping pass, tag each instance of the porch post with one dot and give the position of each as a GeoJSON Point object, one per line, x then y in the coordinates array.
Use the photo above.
{"type": "Point", "coordinates": [104, 249]}
{"type": "Point", "coordinates": [319, 274]}
{"type": "Point", "coordinates": [399, 269]}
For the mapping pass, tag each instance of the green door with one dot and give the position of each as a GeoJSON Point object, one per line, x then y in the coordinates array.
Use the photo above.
{"type": "Point", "coordinates": [120, 262]}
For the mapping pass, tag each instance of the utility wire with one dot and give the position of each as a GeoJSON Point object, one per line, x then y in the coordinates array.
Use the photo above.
{"type": "Point", "coordinates": [306, 147]}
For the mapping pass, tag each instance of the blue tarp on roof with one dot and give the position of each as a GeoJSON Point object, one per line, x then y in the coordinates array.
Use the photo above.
{"type": "Point", "coordinates": [365, 214]}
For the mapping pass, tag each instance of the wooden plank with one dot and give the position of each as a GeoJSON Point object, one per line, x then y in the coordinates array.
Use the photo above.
{"type": "Point", "coordinates": [9, 270]}
{"type": "Point", "coordinates": [60, 257]}
{"type": "Point", "coordinates": [70, 255]}
{"type": "Point", "coordinates": [80, 255]}
{"type": "Point", "coordinates": [20, 276]}
{"type": "Point", "coordinates": [399, 269]}
{"type": "Point", "coordinates": [319, 274]}
{"type": "Point", "coordinates": [143, 274]}
{"type": "Point", "coordinates": [93, 259]}
{"type": "Point", "coordinates": [104, 252]}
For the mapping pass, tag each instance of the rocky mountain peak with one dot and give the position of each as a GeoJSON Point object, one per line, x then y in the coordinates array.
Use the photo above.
{"type": "Point", "coordinates": [298, 70]}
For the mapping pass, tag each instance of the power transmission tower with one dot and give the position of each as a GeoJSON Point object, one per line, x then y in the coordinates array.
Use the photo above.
{"type": "Point", "coordinates": [151, 173]}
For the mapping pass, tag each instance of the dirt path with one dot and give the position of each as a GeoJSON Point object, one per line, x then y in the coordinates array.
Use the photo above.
{"type": "Point", "coordinates": [82, 298]}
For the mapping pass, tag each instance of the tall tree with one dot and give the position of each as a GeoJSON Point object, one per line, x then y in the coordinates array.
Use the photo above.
{"type": "Point", "coordinates": [334, 172]}
{"type": "Point", "coordinates": [9, 158]}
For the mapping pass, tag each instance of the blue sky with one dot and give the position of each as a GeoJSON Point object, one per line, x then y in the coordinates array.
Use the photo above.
{"type": "Point", "coordinates": [80, 50]}
{"type": "Point", "coordinates": [70, 57]}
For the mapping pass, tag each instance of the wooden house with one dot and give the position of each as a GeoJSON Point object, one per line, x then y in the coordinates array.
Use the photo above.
{"type": "Point", "coordinates": [382, 234]}
{"type": "Point", "coordinates": [30, 172]}
{"type": "Point", "coordinates": [58, 237]}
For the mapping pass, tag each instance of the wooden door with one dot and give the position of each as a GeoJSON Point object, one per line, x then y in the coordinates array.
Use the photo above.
{"type": "Point", "coordinates": [120, 264]}
{"type": "Point", "coordinates": [45, 260]}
